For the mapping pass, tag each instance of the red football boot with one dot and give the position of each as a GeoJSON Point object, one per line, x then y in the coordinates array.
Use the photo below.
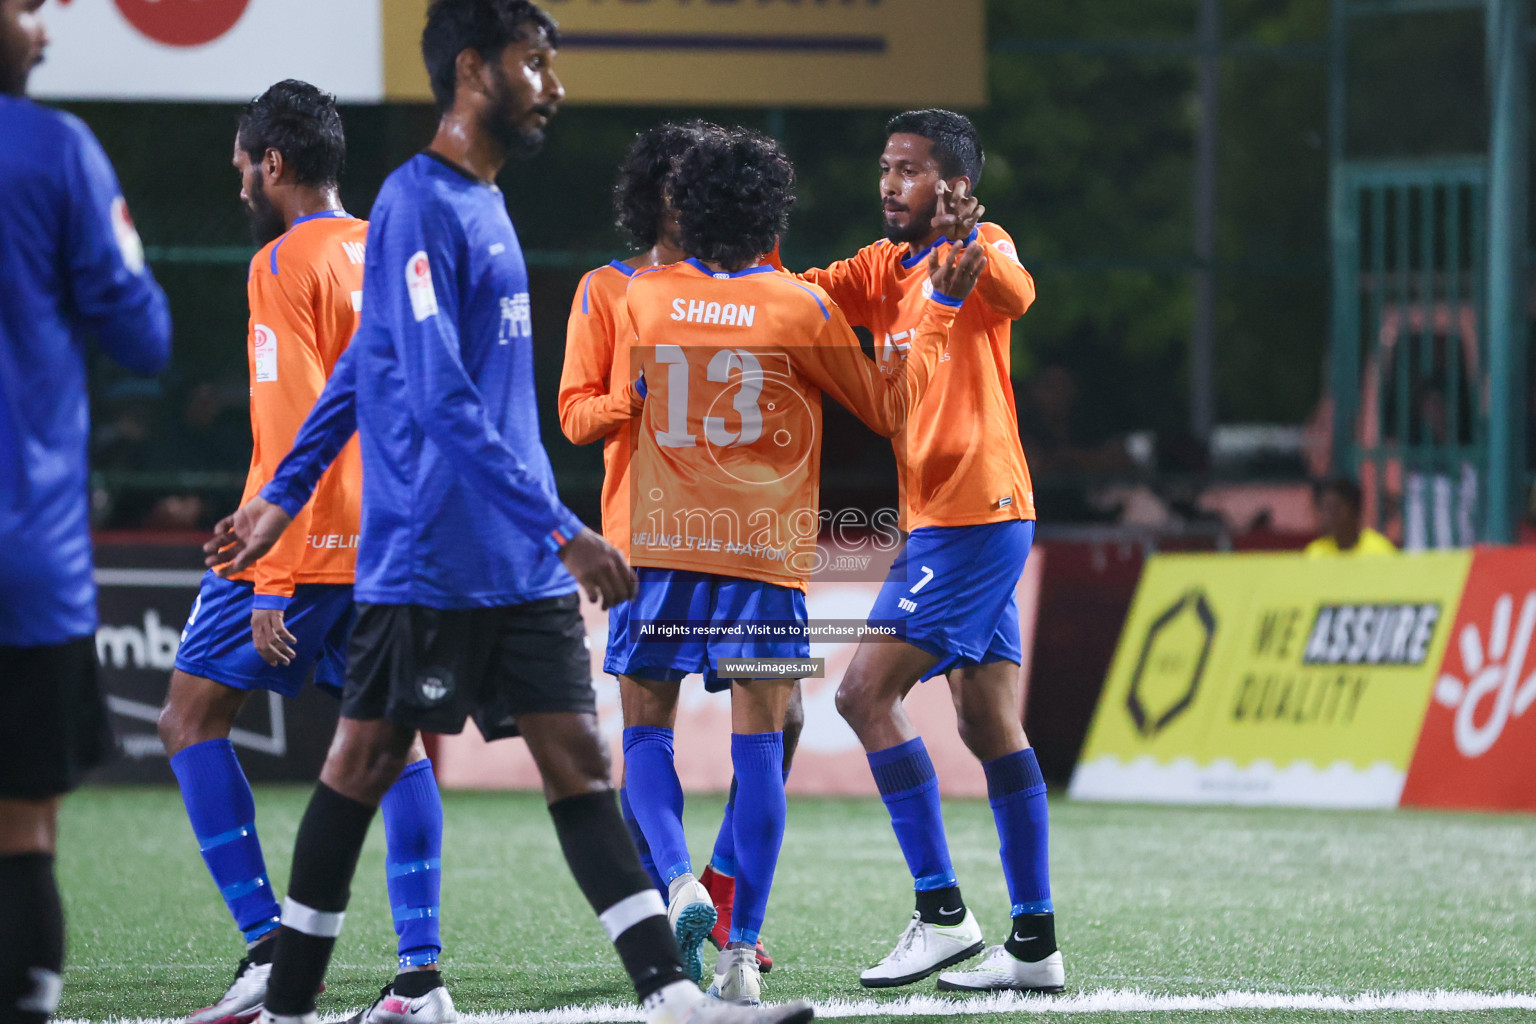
{"type": "Point", "coordinates": [722, 893]}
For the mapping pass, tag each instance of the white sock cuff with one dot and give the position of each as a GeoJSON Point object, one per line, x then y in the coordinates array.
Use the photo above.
{"type": "Point", "coordinates": [630, 911]}
{"type": "Point", "coordinates": [319, 923]}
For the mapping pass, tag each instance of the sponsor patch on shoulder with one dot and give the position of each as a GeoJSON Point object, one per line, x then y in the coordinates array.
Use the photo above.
{"type": "Point", "coordinates": [418, 284]}
{"type": "Point", "coordinates": [1005, 247]}
{"type": "Point", "coordinates": [264, 353]}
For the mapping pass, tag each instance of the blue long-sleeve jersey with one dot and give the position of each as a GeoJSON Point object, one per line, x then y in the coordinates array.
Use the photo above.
{"type": "Point", "coordinates": [459, 502]}
{"type": "Point", "coordinates": [71, 267]}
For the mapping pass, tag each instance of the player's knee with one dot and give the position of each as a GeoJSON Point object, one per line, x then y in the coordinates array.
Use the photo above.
{"type": "Point", "coordinates": [364, 764]}
{"type": "Point", "coordinates": [987, 734]}
{"type": "Point", "coordinates": [176, 728]}
{"type": "Point", "coordinates": [856, 700]}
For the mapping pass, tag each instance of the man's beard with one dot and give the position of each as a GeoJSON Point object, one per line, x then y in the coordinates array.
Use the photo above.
{"type": "Point", "coordinates": [917, 229]}
{"type": "Point", "coordinates": [266, 223]}
{"type": "Point", "coordinates": [513, 138]}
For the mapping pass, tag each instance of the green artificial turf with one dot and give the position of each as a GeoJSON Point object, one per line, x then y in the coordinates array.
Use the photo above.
{"type": "Point", "coordinates": [1160, 900]}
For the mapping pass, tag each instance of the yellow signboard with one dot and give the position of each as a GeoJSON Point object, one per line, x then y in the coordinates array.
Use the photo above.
{"type": "Point", "coordinates": [1273, 679]}
{"type": "Point", "coordinates": [815, 53]}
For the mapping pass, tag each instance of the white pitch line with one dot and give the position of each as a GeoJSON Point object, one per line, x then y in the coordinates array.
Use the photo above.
{"type": "Point", "coordinates": [1099, 1001]}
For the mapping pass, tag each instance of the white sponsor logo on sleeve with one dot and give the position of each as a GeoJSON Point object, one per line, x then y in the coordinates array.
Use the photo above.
{"type": "Point", "coordinates": [357, 301]}
{"type": "Point", "coordinates": [264, 347]}
{"type": "Point", "coordinates": [418, 284]}
{"type": "Point", "coordinates": [128, 242]}
{"type": "Point", "coordinates": [1005, 247]}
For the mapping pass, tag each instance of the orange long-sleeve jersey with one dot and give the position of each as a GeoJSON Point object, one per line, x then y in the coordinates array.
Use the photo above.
{"type": "Point", "coordinates": [727, 464]}
{"type": "Point", "coordinates": [305, 291]}
{"type": "Point", "coordinates": [594, 403]}
{"type": "Point", "coordinates": [959, 461]}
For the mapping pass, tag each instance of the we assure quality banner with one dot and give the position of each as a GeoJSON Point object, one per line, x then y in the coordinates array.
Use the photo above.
{"type": "Point", "coordinates": [1273, 679]}
{"type": "Point", "coordinates": [832, 53]}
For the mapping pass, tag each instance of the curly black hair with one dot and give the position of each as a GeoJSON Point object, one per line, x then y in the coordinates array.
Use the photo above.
{"type": "Point", "coordinates": [732, 192]}
{"type": "Point", "coordinates": [485, 26]}
{"type": "Point", "coordinates": [302, 123]}
{"type": "Point", "coordinates": [639, 196]}
{"type": "Point", "coordinates": [956, 145]}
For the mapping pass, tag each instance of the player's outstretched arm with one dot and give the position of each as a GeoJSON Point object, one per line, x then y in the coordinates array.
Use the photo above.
{"type": "Point", "coordinates": [885, 400]}
{"type": "Point", "coordinates": [601, 571]}
{"type": "Point", "coordinates": [239, 539]}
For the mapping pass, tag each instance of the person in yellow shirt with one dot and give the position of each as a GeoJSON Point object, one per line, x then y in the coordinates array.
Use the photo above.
{"type": "Point", "coordinates": [1338, 513]}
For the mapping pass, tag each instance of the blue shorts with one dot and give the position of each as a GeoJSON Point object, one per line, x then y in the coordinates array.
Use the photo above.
{"type": "Point", "coordinates": [693, 603]}
{"type": "Point", "coordinates": [216, 643]}
{"type": "Point", "coordinates": [951, 592]}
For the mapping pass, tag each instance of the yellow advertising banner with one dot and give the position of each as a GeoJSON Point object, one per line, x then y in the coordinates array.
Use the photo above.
{"type": "Point", "coordinates": [1272, 679]}
{"type": "Point", "coordinates": [816, 53]}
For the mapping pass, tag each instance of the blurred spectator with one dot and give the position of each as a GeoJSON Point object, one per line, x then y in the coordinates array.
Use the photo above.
{"type": "Point", "coordinates": [1338, 516]}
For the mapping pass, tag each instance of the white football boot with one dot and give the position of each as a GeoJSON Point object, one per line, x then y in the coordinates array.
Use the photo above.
{"type": "Point", "coordinates": [1002, 971]}
{"type": "Point", "coordinates": [682, 1003]}
{"type": "Point", "coordinates": [924, 948]}
{"type": "Point", "coordinates": [691, 914]}
{"type": "Point", "coordinates": [738, 977]}
{"type": "Point", "coordinates": [242, 1001]}
{"type": "Point", "coordinates": [436, 1007]}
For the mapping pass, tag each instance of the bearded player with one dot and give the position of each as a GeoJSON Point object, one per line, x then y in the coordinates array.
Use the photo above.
{"type": "Point", "coordinates": [725, 503]}
{"type": "Point", "coordinates": [969, 509]}
{"type": "Point", "coordinates": [593, 406]}
{"type": "Point", "coordinates": [469, 563]}
{"type": "Point", "coordinates": [271, 626]}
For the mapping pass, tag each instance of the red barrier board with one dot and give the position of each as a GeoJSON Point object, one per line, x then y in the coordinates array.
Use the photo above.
{"type": "Point", "coordinates": [1477, 749]}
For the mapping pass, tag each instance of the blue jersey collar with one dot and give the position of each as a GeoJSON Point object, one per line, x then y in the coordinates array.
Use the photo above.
{"type": "Point", "coordinates": [622, 267]}
{"type": "Point", "coordinates": [317, 216]}
{"type": "Point", "coordinates": [914, 260]}
{"type": "Point", "coordinates": [762, 268]}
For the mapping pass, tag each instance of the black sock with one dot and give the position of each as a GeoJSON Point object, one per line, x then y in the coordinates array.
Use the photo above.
{"type": "Point", "coordinates": [941, 906]}
{"type": "Point", "coordinates": [415, 984]}
{"type": "Point", "coordinates": [261, 953]}
{"type": "Point", "coordinates": [1033, 937]}
{"type": "Point", "coordinates": [601, 856]}
{"type": "Point", "coordinates": [31, 938]}
{"type": "Point", "coordinates": [324, 861]}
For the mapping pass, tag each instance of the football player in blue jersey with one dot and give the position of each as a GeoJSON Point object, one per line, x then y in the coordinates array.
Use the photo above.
{"type": "Point", "coordinates": [71, 266]}
{"type": "Point", "coordinates": [469, 564]}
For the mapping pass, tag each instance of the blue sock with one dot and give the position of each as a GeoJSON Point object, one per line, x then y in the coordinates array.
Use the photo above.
{"type": "Point", "coordinates": [223, 816]}
{"type": "Point", "coordinates": [759, 827]}
{"type": "Point", "coordinates": [724, 858]}
{"type": "Point", "coordinates": [910, 789]}
{"type": "Point", "coordinates": [642, 847]}
{"type": "Point", "coordinates": [656, 796]}
{"type": "Point", "coordinates": [413, 862]}
{"type": "Point", "coordinates": [1016, 791]}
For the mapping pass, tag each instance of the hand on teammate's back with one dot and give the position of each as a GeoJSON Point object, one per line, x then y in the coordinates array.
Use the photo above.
{"type": "Point", "coordinates": [959, 270]}
{"type": "Point", "coordinates": [597, 565]}
{"type": "Point", "coordinates": [271, 638]}
{"type": "Point", "coordinates": [240, 539]}
{"type": "Point", "coordinates": [959, 212]}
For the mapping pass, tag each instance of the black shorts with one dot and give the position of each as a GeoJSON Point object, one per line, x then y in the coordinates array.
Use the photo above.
{"type": "Point", "coordinates": [53, 719]}
{"type": "Point", "coordinates": [429, 669]}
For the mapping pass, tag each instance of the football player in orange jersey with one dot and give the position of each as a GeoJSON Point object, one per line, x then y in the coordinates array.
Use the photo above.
{"type": "Point", "coordinates": [592, 409]}
{"type": "Point", "coordinates": [271, 626]}
{"type": "Point", "coordinates": [724, 505]}
{"type": "Point", "coordinates": [969, 507]}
